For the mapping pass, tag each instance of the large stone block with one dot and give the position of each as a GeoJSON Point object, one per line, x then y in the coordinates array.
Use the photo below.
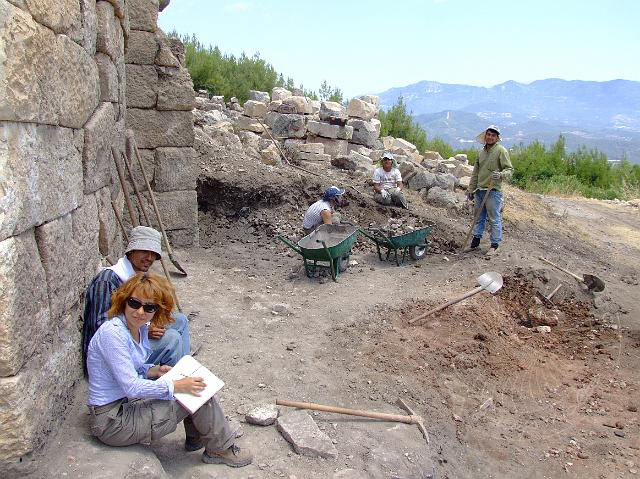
{"type": "Point", "coordinates": [119, 8]}
{"type": "Point", "coordinates": [143, 14]}
{"type": "Point", "coordinates": [364, 133]}
{"type": "Point", "coordinates": [296, 104]}
{"type": "Point", "coordinates": [287, 125]}
{"type": "Point", "coordinates": [175, 90]}
{"type": "Point", "coordinates": [179, 209]}
{"type": "Point", "coordinates": [109, 233]}
{"type": "Point", "coordinates": [330, 131]}
{"type": "Point", "coordinates": [244, 123]}
{"type": "Point", "coordinates": [161, 128]}
{"type": "Point", "coordinates": [69, 250]}
{"type": "Point", "coordinates": [61, 16]}
{"type": "Point", "coordinates": [142, 86]}
{"type": "Point", "coordinates": [255, 109]}
{"type": "Point", "coordinates": [110, 38]}
{"type": "Point", "coordinates": [41, 174]}
{"type": "Point", "coordinates": [403, 146]}
{"type": "Point", "coordinates": [261, 96]}
{"type": "Point", "coordinates": [90, 23]}
{"type": "Point", "coordinates": [330, 110]}
{"type": "Point", "coordinates": [331, 147]}
{"type": "Point", "coordinates": [374, 100]}
{"type": "Point", "coordinates": [361, 109]}
{"type": "Point", "coordinates": [143, 48]}
{"type": "Point", "coordinates": [46, 78]}
{"type": "Point", "coordinates": [32, 402]}
{"type": "Point", "coordinates": [165, 57]}
{"type": "Point", "coordinates": [176, 169]}
{"type": "Point", "coordinates": [98, 138]}
{"type": "Point", "coordinates": [24, 304]}
{"type": "Point", "coordinates": [108, 78]}
{"type": "Point", "coordinates": [279, 93]}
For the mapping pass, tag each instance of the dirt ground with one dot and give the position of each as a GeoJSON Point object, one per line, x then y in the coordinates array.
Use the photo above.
{"type": "Point", "coordinates": [499, 399]}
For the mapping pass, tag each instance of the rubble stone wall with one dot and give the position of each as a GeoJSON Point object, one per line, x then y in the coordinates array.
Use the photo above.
{"type": "Point", "coordinates": [64, 69]}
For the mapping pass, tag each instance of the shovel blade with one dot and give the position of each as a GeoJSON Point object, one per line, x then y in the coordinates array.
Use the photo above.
{"type": "Point", "coordinates": [491, 281]}
{"type": "Point", "coordinates": [593, 282]}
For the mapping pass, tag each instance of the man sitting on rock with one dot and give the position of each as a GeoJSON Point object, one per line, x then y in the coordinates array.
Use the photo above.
{"type": "Point", "coordinates": [322, 211]}
{"type": "Point", "coordinates": [387, 183]}
{"type": "Point", "coordinates": [169, 343]}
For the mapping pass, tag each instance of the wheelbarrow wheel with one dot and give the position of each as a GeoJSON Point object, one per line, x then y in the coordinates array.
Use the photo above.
{"type": "Point", "coordinates": [343, 263]}
{"type": "Point", "coordinates": [417, 251]}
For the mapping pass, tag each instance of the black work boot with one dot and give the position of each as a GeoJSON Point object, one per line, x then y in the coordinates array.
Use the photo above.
{"type": "Point", "coordinates": [475, 242]}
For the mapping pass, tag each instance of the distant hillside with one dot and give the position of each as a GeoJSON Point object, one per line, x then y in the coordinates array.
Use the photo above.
{"type": "Point", "coordinates": [603, 115]}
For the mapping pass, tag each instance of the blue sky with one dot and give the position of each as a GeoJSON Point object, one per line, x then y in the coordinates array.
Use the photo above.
{"type": "Point", "coordinates": [369, 46]}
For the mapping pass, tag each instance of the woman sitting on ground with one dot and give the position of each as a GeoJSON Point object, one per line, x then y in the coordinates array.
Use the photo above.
{"type": "Point", "coordinates": [127, 405]}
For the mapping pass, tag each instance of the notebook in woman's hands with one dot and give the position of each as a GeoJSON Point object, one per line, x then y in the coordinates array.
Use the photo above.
{"type": "Point", "coordinates": [186, 367]}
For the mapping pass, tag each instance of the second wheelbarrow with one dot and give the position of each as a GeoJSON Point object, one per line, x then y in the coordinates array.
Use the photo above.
{"type": "Point", "coordinates": [328, 247]}
{"type": "Point", "coordinates": [414, 243]}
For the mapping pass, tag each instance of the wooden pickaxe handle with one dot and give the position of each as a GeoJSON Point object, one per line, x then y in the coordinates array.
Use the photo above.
{"type": "Point", "coordinates": [448, 303]}
{"type": "Point", "coordinates": [412, 419]}
{"type": "Point", "coordinates": [562, 269]}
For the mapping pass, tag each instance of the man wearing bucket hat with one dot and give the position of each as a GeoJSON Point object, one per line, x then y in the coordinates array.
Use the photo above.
{"type": "Point", "coordinates": [387, 183]}
{"type": "Point", "coordinates": [322, 211]}
{"type": "Point", "coordinates": [169, 344]}
{"type": "Point", "coordinates": [492, 167]}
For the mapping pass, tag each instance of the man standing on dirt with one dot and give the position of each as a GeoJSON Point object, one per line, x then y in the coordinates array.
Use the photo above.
{"type": "Point", "coordinates": [387, 183]}
{"type": "Point", "coordinates": [169, 343]}
{"type": "Point", "coordinates": [322, 211]}
{"type": "Point", "coordinates": [492, 166]}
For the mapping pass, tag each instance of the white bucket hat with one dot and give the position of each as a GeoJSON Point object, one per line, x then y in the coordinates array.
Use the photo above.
{"type": "Point", "coordinates": [144, 238]}
{"type": "Point", "coordinates": [480, 136]}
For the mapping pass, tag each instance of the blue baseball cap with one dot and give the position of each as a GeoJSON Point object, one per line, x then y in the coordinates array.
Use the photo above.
{"type": "Point", "coordinates": [332, 192]}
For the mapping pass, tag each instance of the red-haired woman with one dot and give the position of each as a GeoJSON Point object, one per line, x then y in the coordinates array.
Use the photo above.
{"type": "Point", "coordinates": [127, 405]}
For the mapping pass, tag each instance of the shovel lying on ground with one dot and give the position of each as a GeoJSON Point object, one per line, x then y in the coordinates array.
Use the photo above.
{"type": "Point", "coordinates": [592, 281]}
{"type": "Point", "coordinates": [490, 281]}
{"type": "Point", "coordinates": [411, 419]}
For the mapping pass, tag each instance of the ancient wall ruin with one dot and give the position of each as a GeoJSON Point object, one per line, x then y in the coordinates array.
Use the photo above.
{"type": "Point", "coordinates": [68, 69]}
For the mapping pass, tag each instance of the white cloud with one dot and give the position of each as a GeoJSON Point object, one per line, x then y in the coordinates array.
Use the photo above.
{"type": "Point", "coordinates": [238, 7]}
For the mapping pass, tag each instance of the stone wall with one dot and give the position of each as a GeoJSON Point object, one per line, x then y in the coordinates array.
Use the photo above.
{"type": "Point", "coordinates": [64, 69]}
{"type": "Point", "coordinates": [160, 98]}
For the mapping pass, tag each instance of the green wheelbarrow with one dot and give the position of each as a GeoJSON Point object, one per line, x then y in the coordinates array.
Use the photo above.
{"type": "Point", "coordinates": [413, 244]}
{"type": "Point", "coordinates": [328, 247]}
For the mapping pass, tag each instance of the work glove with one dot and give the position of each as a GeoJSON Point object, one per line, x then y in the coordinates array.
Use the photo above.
{"type": "Point", "coordinates": [496, 175]}
{"type": "Point", "coordinates": [384, 194]}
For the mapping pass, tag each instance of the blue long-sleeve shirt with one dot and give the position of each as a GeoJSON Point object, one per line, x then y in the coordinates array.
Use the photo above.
{"type": "Point", "coordinates": [117, 366]}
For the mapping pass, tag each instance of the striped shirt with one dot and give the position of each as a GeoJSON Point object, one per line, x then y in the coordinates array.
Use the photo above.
{"type": "Point", "coordinates": [118, 366]}
{"type": "Point", "coordinates": [313, 216]}
{"type": "Point", "coordinates": [97, 302]}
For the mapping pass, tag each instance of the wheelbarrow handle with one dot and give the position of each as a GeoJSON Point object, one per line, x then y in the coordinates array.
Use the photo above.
{"type": "Point", "coordinates": [294, 247]}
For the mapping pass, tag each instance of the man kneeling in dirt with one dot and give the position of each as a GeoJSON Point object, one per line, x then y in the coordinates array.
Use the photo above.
{"type": "Point", "coordinates": [323, 210]}
{"type": "Point", "coordinates": [493, 166]}
{"type": "Point", "coordinates": [387, 183]}
{"type": "Point", "coordinates": [169, 343]}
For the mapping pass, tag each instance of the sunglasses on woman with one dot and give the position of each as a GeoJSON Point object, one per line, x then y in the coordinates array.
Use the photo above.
{"type": "Point", "coordinates": [146, 307]}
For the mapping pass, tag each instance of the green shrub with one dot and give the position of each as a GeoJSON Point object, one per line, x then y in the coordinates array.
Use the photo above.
{"type": "Point", "coordinates": [399, 123]}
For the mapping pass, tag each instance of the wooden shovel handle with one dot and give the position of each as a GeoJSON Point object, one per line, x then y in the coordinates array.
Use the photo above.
{"type": "Point", "coordinates": [412, 419]}
{"type": "Point", "coordinates": [477, 214]}
{"type": "Point", "coordinates": [562, 269]}
{"type": "Point", "coordinates": [448, 303]}
{"type": "Point", "coordinates": [123, 185]}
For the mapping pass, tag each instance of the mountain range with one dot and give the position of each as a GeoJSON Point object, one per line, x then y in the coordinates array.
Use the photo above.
{"type": "Point", "coordinates": [602, 115]}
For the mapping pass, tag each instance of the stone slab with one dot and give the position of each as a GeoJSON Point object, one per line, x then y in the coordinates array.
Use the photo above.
{"type": "Point", "coordinates": [296, 104]}
{"type": "Point", "coordinates": [165, 56]}
{"type": "Point", "coordinates": [255, 109]}
{"type": "Point", "coordinates": [161, 128]}
{"type": "Point", "coordinates": [41, 174]}
{"type": "Point", "coordinates": [62, 16]}
{"type": "Point", "coordinates": [329, 131]}
{"type": "Point", "coordinates": [143, 48]}
{"type": "Point", "coordinates": [142, 86]}
{"type": "Point", "coordinates": [279, 93]}
{"type": "Point", "coordinates": [68, 274]}
{"type": "Point", "coordinates": [260, 96]}
{"type": "Point", "coordinates": [248, 124]}
{"type": "Point", "coordinates": [90, 23]}
{"type": "Point", "coordinates": [287, 125]}
{"type": "Point", "coordinates": [307, 439]}
{"type": "Point", "coordinates": [176, 169]}
{"type": "Point", "coordinates": [143, 14]}
{"type": "Point", "coordinates": [332, 110]}
{"type": "Point", "coordinates": [24, 295]}
{"type": "Point", "coordinates": [361, 109]}
{"type": "Point", "coordinates": [110, 39]}
{"type": "Point", "coordinates": [46, 78]}
{"type": "Point", "coordinates": [365, 133]}
{"type": "Point", "coordinates": [331, 147]}
{"type": "Point", "coordinates": [175, 90]}
{"type": "Point", "coordinates": [96, 157]}
{"type": "Point", "coordinates": [108, 74]}
{"type": "Point", "coordinates": [179, 209]}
